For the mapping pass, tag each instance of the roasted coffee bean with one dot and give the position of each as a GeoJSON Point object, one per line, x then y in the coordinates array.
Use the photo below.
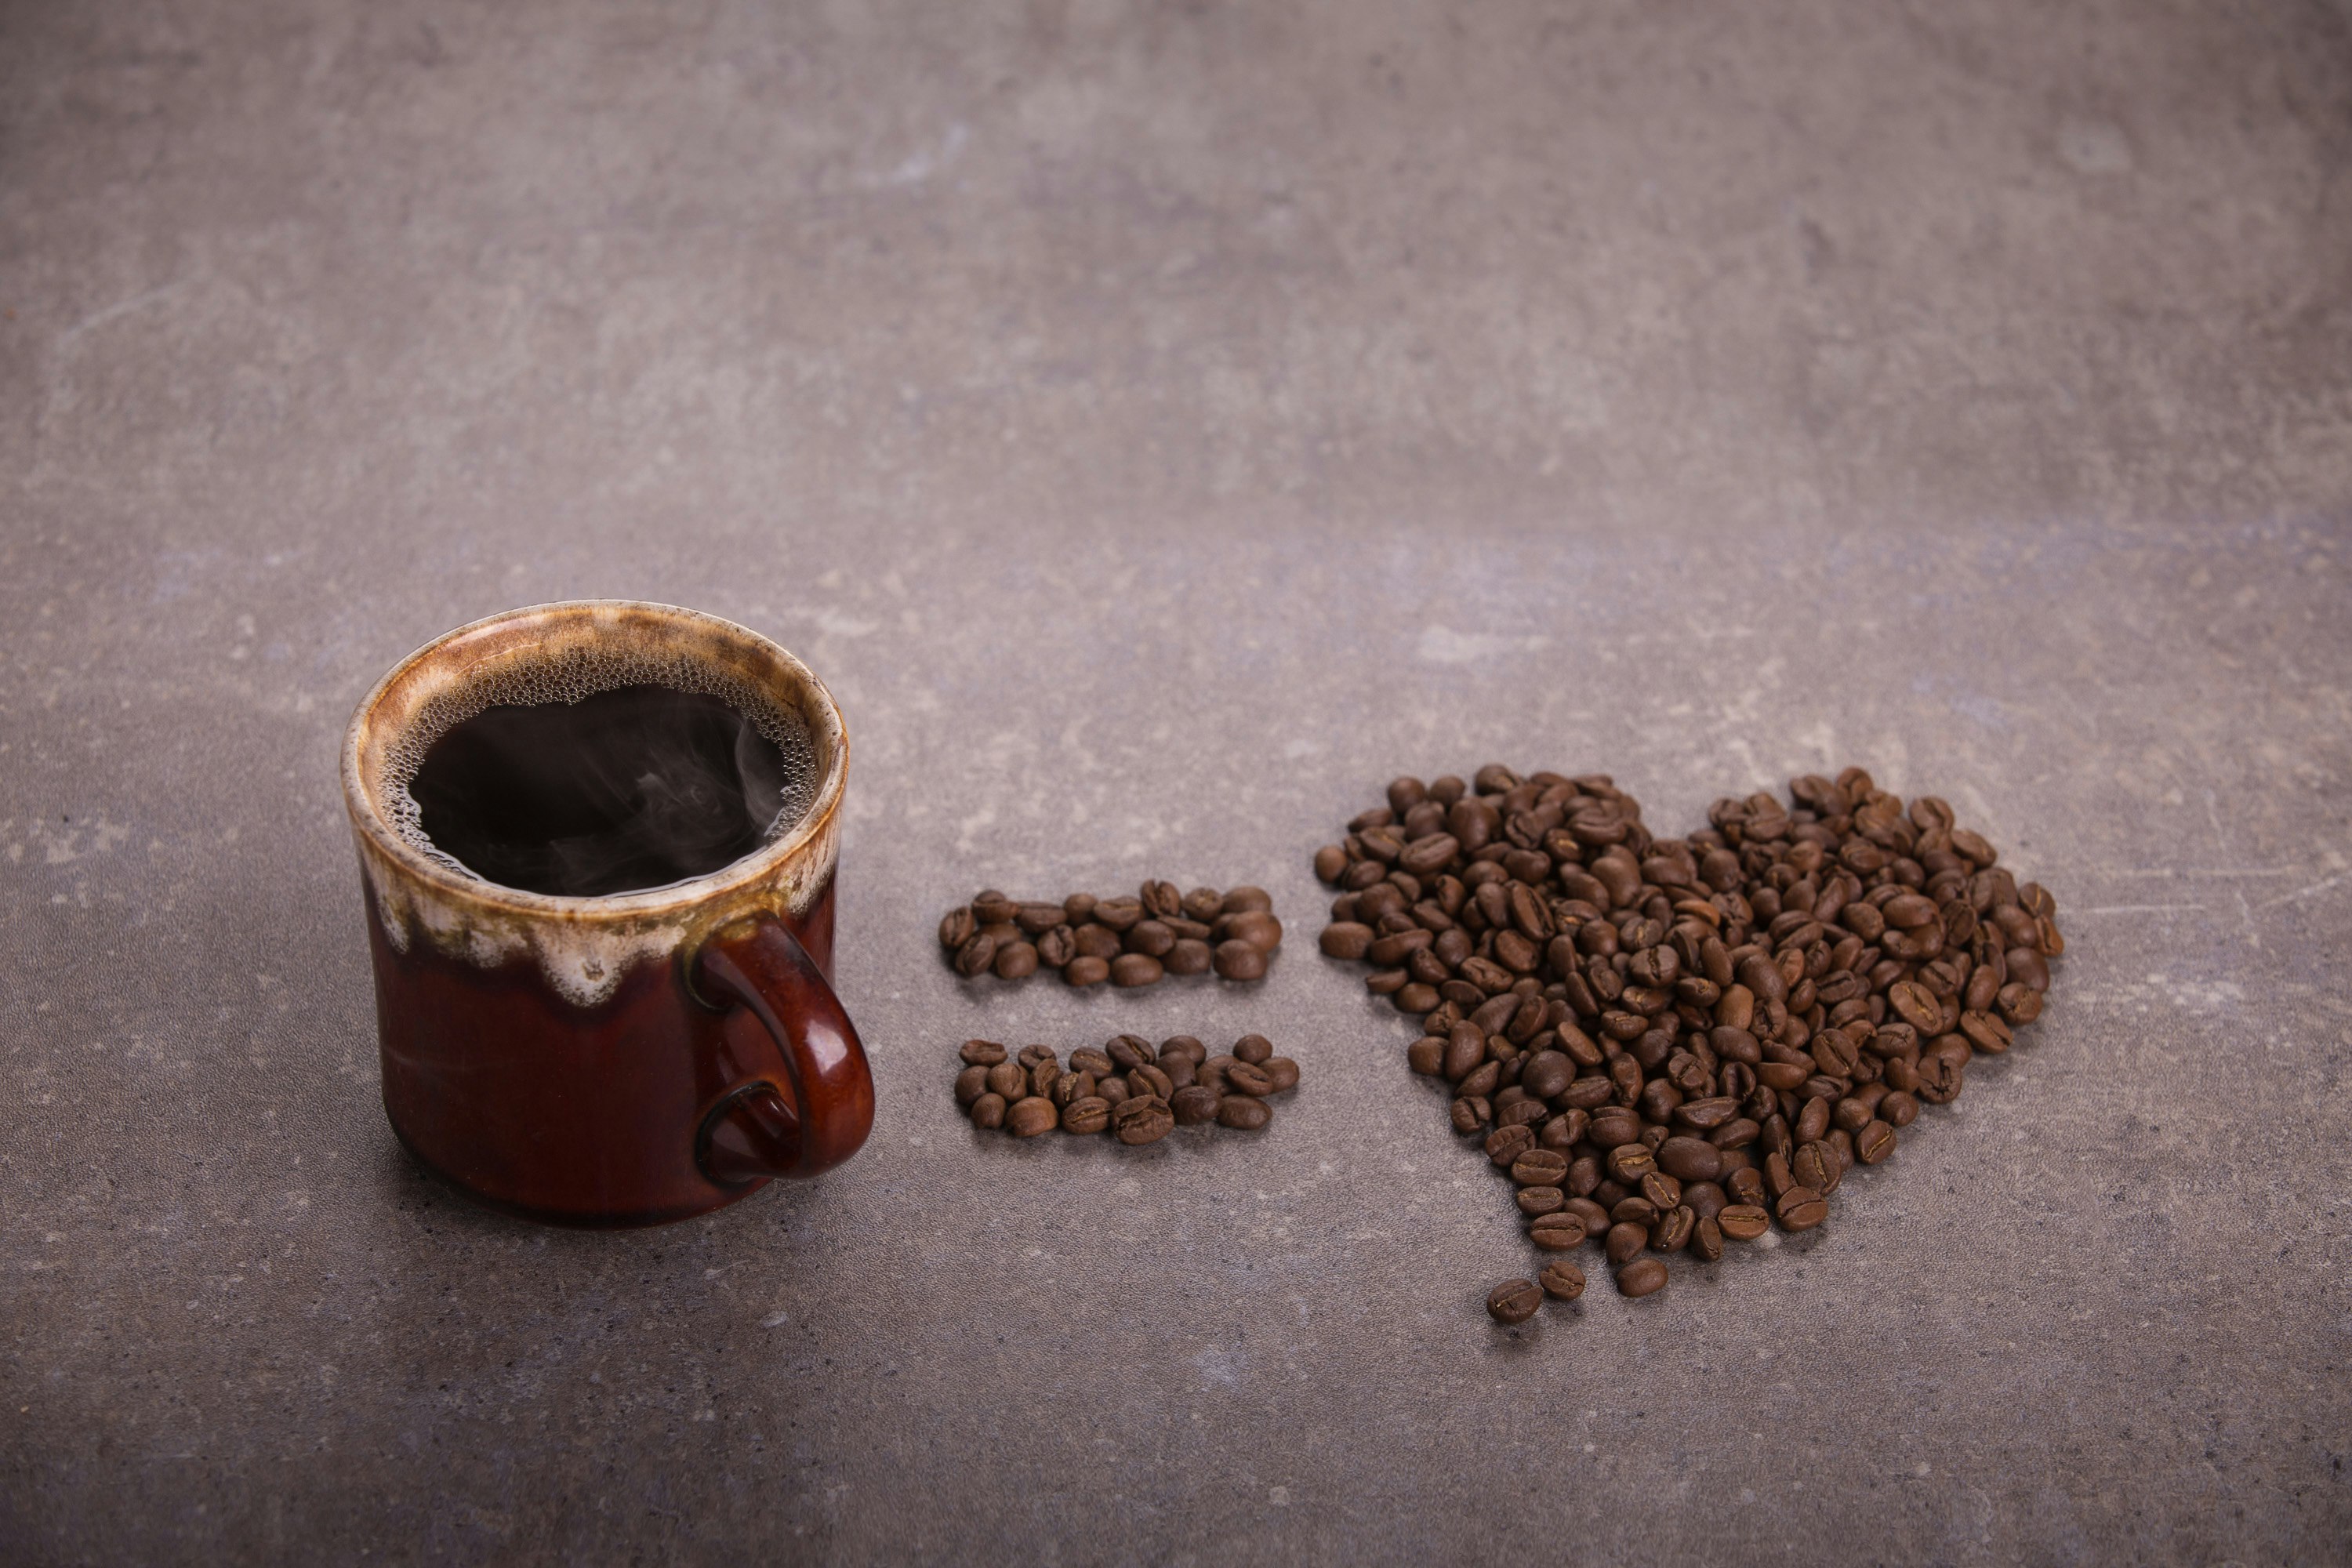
{"type": "Point", "coordinates": [1237, 960]}
{"type": "Point", "coordinates": [988, 1112]}
{"type": "Point", "coordinates": [975, 956]}
{"type": "Point", "coordinates": [1673, 1231]}
{"type": "Point", "coordinates": [1690, 1159]}
{"type": "Point", "coordinates": [1561, 1280]}
{"type": "Point", "coordinates": [1539, 1168]}
{"type": "Point", "coordinates": [1641, 1277]}
{"type": "Point", "coordinates": [1707, 1239]}
{"type": "Point", "coordinates": [1635, 1210]}
{"type": "Point", "coordinates": [1030, 1116]}
{"type": "Point", "coordinates": [1248, 1078]}
{"type": "Point", "coordinates": [1800, 1208]}
{"type": "Point", "coordinates": [1133, 969]}
{"type": "Point", "coordinates": [1874, 1144]}
{"type": "Point", "coordinates": [1515, 1301]}
{"type": "Point", "coordinates": [1534, 1201]}
{"type": "Point", "coordinates": [1193, 1106]}
{"type": "Point", "coordinates": [1091, 1114]}
{"type": "Point", "coordinates": [1557, 1231]}
{"type": "Point", "coordinates": [1244, 1112]}
{"type": "Point", "coordinates": [1085, 971]}
{"type": "Point", "coordinates": [1631, 1162]}
{"type": "Point", "coordinates": [1071, 1086]}
{"type": "Point", "coordinates": [1744, 1221]}
{"type": "Point", "coordinates": [1624, 1240]}
{"type": "Point", "coordinates": [1142, 1120]}
{"type": "Point", "coordinates": [1183, 1045]}
{"type": "Point", "coordinates": [1010, 1079]}
{"type": "Point", "coordinates": [981, 1053]}
{"type": "Point", "coordinates": [1148, 1080]}
{"type": "Point", "coordinates": [956, 928]}
{"type": "Point", "coordinates": [1254, 1049]}
{"type": "Point", "coordinates": [1661, 1190]}
{"type": "Point", "coordinates": [970, 1084]}
{"type": "Point", "coordinates": [1281, 1072]}
{"type": "Point", "coordinates": [1347, 939]}
{"type": "Point", "coordinates": [1504, 1145]}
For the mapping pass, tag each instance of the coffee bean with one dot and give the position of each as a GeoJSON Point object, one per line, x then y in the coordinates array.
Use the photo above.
{"type": "Point", "coordinates": [1744, 1221]}
{"type": "Point", "coordinates": [975, 956]}
{"type": "Point", "coordinates": [1071, 1086]}
{"type": "Point", "coordinates": [1539, 1168]}
{"type": "Point", "coordinates": [1800, 1208]}
{"type": "Point", "coordinates": [1085, 971]}
{"type": "Point", "coordinates": [1673, 1231]}
{"type": "Point", "coordinates": [981, 1053]}
{"type": "Point", "coordinates": [1557, 1231]}
{"type": "Point", "coordinates": [1194, 1105]}
{"type": "Point", "coordinates": [1151, 938]}
{"type": "Point", "coordinates": [1561, 1280]}
{"type": "Point", "coordinates": [1630, 1162]}
{"type": "Point", "coordinates": [1133, 969]}
{"type": "Point", "coordinates": [1030, 1116]}
{"type": "Point", "coordinates": [1536, 1201]}
{"type": "Point", "coordinates": [956, 928]}
{"type": "Point", "coordinates": [1239, 960]}
{"type": "Point", "coordinates": [1641, 1277]}
{"type": "Point", "coordinates": [1257, 927]}
{"type": "Point", "coordinates": [1244, 1112]}
{"type": "Point", "coordinates": [1248, 1080]}
{"type": "Point", "coordinates": [1707, 1239]}
{"type": "Point", "coordinates": [1690, 1159]}
{"type": "Point", "coordinates": [1148, 1080]}
{"type": "Point", "coordinates": [1514, 1300]}
{"type": "Point", "coordinates": [1874, 1144]}
{"type": "Point", "coordinates": [1282, 1073]}
{"type": "Point", "coordinates": [970, 1084]}
{"type": "Point", "coordinates": [1347, 939]}
{"type": "Point", "coordinates": [1142, 1120]}
{"type": "Point", "coordinates": [1625, 1239]}
{"type": "Point", "coordinates": [1091, 1114]}
{"type": "Point", "coordinates": [1010, 1079]}
{"type": "Point", "coordinates": [988, 1112]}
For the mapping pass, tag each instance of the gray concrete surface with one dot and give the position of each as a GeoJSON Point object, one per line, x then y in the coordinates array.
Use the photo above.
{"type": "Point", "coordinates": [1162, 423]}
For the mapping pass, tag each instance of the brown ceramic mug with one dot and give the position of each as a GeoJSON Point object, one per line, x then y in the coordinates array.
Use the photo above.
{"type": "Point", "coordinates": [623, 1059]}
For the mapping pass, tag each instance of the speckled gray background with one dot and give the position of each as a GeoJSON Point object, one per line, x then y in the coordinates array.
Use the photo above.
{"type": "Point", "coordinates": [1162, 423]}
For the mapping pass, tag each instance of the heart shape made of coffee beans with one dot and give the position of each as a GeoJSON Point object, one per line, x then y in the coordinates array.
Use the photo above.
{"type": "Point", "coordinates": [1667, 1043]}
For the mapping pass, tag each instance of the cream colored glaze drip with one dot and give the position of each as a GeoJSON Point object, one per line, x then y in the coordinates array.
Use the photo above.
{"type": "Point", "coordinates": [583, 953]}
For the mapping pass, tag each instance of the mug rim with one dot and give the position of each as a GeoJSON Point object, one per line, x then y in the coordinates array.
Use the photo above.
{"type": "Point", "coordinates": [747, 873]}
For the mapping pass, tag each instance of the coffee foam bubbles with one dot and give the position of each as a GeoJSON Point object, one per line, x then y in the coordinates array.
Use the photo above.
{"type": "Point", "coordinates": [565, 675]}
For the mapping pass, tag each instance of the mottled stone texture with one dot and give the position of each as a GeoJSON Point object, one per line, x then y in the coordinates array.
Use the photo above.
{"type": "Point", "coordinates": [1162, 423]}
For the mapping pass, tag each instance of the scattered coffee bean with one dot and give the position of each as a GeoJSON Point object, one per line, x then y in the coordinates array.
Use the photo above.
{"type": "Point", "coordinates": [1142, 1120]}
{"type": "Point", "coordinates": [1561, 1280]}
{"type": "Point", "coordinates": [1676, 1041]}
{"type": "Point", "coordinates": [1515, 1301]}
{"type": "Point", "coordinates": [1244, 1112]}
{"type": "Point", "coordinates": [1641, 1277]}
{"type": "Point", "coordinates": [1029, 1116]}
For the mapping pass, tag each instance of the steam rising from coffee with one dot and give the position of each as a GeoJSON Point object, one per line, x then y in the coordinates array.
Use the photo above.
{"type": "Point", "coordinates": [631, 787]}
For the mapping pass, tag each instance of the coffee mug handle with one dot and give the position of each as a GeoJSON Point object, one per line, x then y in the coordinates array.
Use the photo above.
{"type": "Point", "coordinates": [760, 965]}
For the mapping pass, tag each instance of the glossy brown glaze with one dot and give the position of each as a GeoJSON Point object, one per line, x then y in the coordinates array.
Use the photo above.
{"type": "Point", "coordinates": [590, 1116]}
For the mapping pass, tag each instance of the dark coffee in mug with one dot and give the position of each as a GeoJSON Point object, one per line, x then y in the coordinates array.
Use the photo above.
{"type": "Point", "coordinates": [631, 788]}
